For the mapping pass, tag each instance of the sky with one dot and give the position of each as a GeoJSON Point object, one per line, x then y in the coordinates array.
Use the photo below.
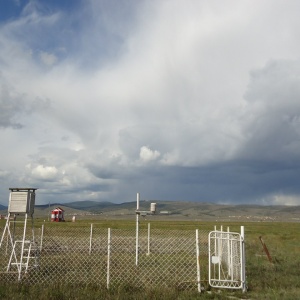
{"type": "Point", "coordinates": [178, 100]}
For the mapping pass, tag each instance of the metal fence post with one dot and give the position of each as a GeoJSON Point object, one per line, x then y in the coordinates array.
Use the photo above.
{"type": "Point", "coordinates": [137, 230]}
{"type": "Point", "coordinates": [243, 258]}
{"type": "Point", "coordinates": [148, 251]}
{"type": "Point", "coordinates": [42, 236]}
{"type": "Point", "coordinates": [91, 237]}
{"type": "Point", "coordinates": [198, 261]}
{"type": "Point", "coordinates": [108, 258]}
{"type": "Point", "coordinates": [220, 250]}
{"type": "Point", "coordinates": [229, 253]}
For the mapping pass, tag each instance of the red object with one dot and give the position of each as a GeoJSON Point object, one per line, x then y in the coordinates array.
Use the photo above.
{"type": "Point", "coordinates": [57, 215]}
{"type": "Point", "coordinates": [265, 249]}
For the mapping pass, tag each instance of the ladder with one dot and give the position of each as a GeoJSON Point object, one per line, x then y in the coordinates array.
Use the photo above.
{"type": "Point", "coordinates": [26, 251]}
{"type": "Point", "coordinates": [23, 251]}
{"type": "Point", "coordinates": [23, 248]}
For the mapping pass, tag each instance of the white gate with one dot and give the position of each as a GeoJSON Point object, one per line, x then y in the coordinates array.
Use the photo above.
{"type": "Point", "coordinates": [227, 259]}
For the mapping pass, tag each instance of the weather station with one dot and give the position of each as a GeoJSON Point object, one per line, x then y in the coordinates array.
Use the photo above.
{"type": "Point", "coordinates": [142, 213]}
{"type": "Point", "coordinates": [20, 241]}
{"type": "Point", "coordinates": [21, 200]}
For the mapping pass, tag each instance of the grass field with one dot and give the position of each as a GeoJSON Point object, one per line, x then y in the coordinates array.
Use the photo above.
{"type": "Point", "coordinates": [265, 280]}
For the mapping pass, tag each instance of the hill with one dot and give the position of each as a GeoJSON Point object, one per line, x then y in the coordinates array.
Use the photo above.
{"type": "Point", "coordinates": [192, 210]}
{"type": "Point", "coordinates": [176, 210]}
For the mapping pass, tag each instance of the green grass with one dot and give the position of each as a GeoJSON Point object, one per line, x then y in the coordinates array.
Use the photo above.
{"type": "Point", "coordinates": [84, 292]}
{"type": "Point", "coordinates": [265, 280]}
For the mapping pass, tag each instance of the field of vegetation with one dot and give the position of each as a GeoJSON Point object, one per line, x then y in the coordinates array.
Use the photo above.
{"type": "Point", "coordinates": [278, 279]}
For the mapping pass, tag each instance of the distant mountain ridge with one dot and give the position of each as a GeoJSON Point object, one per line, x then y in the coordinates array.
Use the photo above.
{"type": "Point", "coordinates": [200, 210]}
{"type": "Point", "coordinates": [86, 205]}
{"type": "Point", "coordinates": [175, 209]}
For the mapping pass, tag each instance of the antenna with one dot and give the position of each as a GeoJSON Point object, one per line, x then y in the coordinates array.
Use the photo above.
{"type": "Point", "coordinates": [143, 213]}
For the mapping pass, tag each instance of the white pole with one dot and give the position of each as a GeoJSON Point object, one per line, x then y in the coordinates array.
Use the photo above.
{"type": "Point", "coordinates": [22, 248]}
{"type": "Point", "coordinates": [137, 230]}
{"type": "Point", "coordinates": [229, 254]}
{"type": "Point", "coordinates": [215, 229]}
{"type": "Point", "coordinates": [243, 259]}
{"type": "Point", "coordinates": [137, 201]}
{"type": "Point", "coordinates": [198, 261]}
{"type": "Point", "coordinates": [42, 236]}
{"type": "Point", "coordinates": [7, 227]}
{"type": "Point", "coordinates": [148, 252]}
{"type": "Point", "coordinates": [216, 249]}
{"type": "Point", "coordinates": [91, 237]}
{"type": "Point", "coordinates": [6, 240]}
{"type": "Point", "coordinates": [210, 254]}
{"type": "Point", "coordinates": [220, 250]}
{"type": "Point", "coordinates": [108, 257]}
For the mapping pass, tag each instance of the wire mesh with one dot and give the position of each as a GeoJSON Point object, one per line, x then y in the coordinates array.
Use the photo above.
{"type": "Point", "coordinates": [166, 258]}
{"type": "Point", "coordinates": [80, 255]}
{"type": "Point", "coordinates": [225, 259]}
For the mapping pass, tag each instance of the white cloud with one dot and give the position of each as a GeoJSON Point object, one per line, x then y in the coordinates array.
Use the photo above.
{"type": "Point", "coordinates": [146, 154]}
{"type": "Point", "coordinates": [44, 172]}
{"type": "Point", "coordinates": [288, 200]}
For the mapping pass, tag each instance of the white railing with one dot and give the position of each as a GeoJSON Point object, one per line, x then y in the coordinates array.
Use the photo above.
{"type": "Point", "coordinates": [227, 259]}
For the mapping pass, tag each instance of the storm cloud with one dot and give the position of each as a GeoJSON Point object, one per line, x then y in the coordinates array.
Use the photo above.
{"type": "Point", "coordinates": [178, 100]}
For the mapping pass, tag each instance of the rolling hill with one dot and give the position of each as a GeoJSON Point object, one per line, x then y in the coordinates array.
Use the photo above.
{"type": "Point", "coordinates": [192, 210]}
{"type": "Point", "coordinates": [173, 210]}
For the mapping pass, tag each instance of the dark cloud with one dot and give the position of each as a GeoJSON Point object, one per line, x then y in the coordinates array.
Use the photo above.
{"type": "Point", "coordinates": [11, 107]}
{"type": "Point", "coordinates": [273, 113]}
{"type": "Point", "coordinates": [176, 100]}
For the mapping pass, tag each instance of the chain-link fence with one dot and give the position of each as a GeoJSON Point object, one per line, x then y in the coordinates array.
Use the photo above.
{"type": "Point", "coordinates": [106, 256]}
{"type": "Point", "coordinates": [163, 258]}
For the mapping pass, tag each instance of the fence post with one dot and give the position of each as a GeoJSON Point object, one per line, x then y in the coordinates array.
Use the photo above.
{"type": "Point", "coordinates": [220, 250]}
{"type": "Point", "coordinates": [243, 258]}
{"type": "Point", "coordinates": [91, 237]}
{"type": "Point", "coordinates": [137, 229]}
{"type": "Point", "coordinates": [108, 258]}
{"type": "Point", "coordinates": [229, 254]}
{"type": "Point", "coordinates": [42, 236]}
{"type": "Point", "coordinates": [265, 249]}
{"type": "Point", "coordinates": [198, 261]}
{"type": "Point", "coordinates": [148, 252]}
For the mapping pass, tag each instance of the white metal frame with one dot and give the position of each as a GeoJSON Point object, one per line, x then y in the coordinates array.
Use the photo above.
{"type": "Point", "coordinates": [23, 248]}
{"type": "Point", "coordinates": [227, 259]}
